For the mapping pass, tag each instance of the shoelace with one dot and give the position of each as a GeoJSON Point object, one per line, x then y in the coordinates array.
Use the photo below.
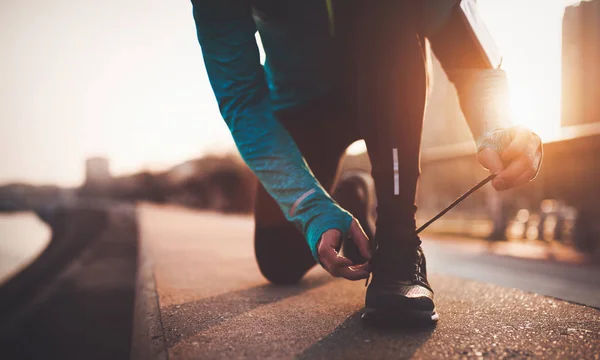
{"type": "Point", "coordinates": [406, 266]}
{"type": "Point", "coordinates": [448, 208]}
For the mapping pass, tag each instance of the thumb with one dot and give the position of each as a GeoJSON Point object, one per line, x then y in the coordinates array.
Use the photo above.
{"type": "Point", "coordinates": [490, 160]}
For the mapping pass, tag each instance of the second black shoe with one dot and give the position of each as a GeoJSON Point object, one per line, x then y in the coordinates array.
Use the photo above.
{"type": "Point", "coordinates": [355, 193]}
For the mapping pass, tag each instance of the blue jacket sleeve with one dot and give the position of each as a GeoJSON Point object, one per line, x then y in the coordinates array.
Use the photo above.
{"type": "Point", "coordinates": [226, 31]}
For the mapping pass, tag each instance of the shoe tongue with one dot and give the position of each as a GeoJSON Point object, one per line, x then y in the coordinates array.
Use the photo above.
{"type": "Point", "coordinates": [399, 252]}
{"type": "Point", "coordinates": [397, 262]}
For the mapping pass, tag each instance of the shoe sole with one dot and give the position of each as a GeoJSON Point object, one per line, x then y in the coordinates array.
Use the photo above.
{"type": "Point", "coordinates": [389, 317]}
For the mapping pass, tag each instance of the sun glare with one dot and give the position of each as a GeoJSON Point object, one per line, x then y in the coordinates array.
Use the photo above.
{"type": "Point", "coordinates": [538, 111]}
{"type": "Point", "coordinates": [529, 34]}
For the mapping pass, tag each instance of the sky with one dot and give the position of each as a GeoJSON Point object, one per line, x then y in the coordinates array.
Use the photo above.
{"type": "Point", "coordinates": [125, 80]}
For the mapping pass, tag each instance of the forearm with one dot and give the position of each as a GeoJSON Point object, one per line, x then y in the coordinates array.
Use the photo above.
{"type": "Point", "coordinates": [484, 100]}
{"type": "Point", "coordinates": [226, 35]}
{"type": "Point", "coordinates": [272, 155]}
{"type": "Point", "coordinates": [471, 61]}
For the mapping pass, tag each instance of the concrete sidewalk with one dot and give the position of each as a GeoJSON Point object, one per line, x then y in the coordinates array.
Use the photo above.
{"type": "Point", "coordinates": [213, 303]}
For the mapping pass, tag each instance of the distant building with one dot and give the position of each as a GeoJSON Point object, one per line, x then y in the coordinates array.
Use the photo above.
{"type": "Point", "coordinates": [581, 64]}
{"type": "Point", "coordinates": [98, 178]}
{"type": "Point", "coordinates": [97, 170]}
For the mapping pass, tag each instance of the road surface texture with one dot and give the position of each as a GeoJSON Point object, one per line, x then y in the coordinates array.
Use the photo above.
{"type": "Point", "coordinates": [206, 299]}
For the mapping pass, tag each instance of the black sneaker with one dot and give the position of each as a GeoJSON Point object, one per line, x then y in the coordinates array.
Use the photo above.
{"type": "Point", "coordinates": [399, 292]}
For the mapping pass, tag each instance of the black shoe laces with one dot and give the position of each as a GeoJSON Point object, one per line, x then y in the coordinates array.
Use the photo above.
{"type": "Point", "coordinates": [401, 265]}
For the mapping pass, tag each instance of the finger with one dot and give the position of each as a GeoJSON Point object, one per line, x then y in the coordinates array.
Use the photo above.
{"type": "Point", "coordinates": [354, 272]}
{"type": "Point", "coordinates": [334, 262]}
{"type": "Point", "coordinates": [524, 178]}
{"type": "Point", "coordinates": [522, 138]}
{"type": "Point", "coordinates": [327, 250]}
{"type": "Point", "coordinates": [360, 239]}
{"type": "Point", "coordinates": [490, 160]}
{"type": "Point", "coordinates": [532, 149]}
{"type": "Point", "coordinates": [341, 261]}
{"type": "Point", "coordinates": [336, 266]}
{"type": "Point", "coordinates": [366, 266]}
{"type": "Point", "coordinates": [529, 175]}
{"type": "Point", "coordinates": [508, 176]}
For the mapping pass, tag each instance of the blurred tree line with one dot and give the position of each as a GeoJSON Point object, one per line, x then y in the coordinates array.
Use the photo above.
{"type": "Point", "coordinates": [215, 182]}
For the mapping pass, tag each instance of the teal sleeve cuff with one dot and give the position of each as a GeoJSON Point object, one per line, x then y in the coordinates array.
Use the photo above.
{"type": "Point", "coordinates": [332, 217]}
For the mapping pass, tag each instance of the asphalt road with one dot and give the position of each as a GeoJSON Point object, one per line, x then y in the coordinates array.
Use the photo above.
{"type": "Point", "coordinates": [520, 267]}
{"type": "Point", "coordinates": [76, 300]}
{"type": "Point", "coordinates": [212, 303]}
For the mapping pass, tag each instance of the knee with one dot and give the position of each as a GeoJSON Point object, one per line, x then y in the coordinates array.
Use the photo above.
{"type": "Point", "coordinates": [282, 254]}
{"type": "Point", "coordinates": [355, 192]}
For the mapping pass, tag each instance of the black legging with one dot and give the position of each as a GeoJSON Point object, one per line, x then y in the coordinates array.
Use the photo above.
{"type": "Point", "coordinates": [381, 99]}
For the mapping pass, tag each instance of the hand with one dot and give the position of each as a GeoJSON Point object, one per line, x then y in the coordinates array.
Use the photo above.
{"type": "Point", "coordinates": [515, 154]}
{"type": "Point", "coordinates": [338, 265]}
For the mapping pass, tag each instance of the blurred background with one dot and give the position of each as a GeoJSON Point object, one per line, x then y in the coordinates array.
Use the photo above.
{"type": "Point", "coordinates": [125, 81]}
{"type": "Point", "coordinates": [108, 102]}
{"type": "Point", "coordinates": [111, 99]}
